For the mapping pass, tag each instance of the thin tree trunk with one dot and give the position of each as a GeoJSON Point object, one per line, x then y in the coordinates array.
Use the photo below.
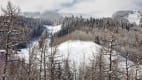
{"type": "Point", "coordinates": [127, 69]}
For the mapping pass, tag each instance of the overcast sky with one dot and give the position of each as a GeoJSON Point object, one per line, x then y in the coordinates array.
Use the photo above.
{"type": "Point", "coordinates": [88, 7]}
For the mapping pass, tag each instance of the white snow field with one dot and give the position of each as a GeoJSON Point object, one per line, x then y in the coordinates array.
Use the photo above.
{"type": "Point", "coordinates": [78, 51]}
{"type": "Point", "coordinates": [53, 29]}
{"type": "Point", "coordinates": [134, 18]}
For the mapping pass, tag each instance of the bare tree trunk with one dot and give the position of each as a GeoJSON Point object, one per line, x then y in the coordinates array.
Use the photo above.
{"type": "Point", "coordinates": [109, 52]}
{"type": "Point", "coordinates": [44, 63]}
{"type": "Point", "coordinates": [11, 37]}
{"type": "Point", "coordinates": [127, 68]}
{"type": "Point", "coordinates": [100, 67]}
{"type": "Point", "coordinates": [110, 57]}
{"type": "Point", "coordinates": [30, 63]}
{"type": "Point", "coordinates": [110, 65]}
{"type": "Point", "coordinates": [41, 66]}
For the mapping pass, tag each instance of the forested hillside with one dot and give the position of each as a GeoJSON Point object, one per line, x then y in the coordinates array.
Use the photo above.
{"type": "Point", "coordinates": [128, 35]}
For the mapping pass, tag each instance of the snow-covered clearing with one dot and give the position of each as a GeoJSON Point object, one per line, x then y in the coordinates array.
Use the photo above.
{"type": "Point", "coordinates": [53, 29]}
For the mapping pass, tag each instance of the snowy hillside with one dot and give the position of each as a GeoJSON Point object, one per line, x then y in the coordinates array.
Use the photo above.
{"type": "Point", "coordinates": [132, 16]}
{"type": "Point", "coordinates": [79, 51]}
{"type": "Point", "coordinates": [76, 51]}
{"type": "Point", "coordinates": [135, 17]}
{"type": "Point", "coordinates": [53, 29]}
{"type": "Point", "coordinates": [24, 53]}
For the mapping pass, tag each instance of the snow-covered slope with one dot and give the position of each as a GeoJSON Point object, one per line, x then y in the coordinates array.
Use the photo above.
{"type": "Point", "coordinates": [135, 17]}
{"type": "Point", "coordinates": [75, 50]}
{"type": "Point", "coordinates": [24, 53]}
{"type": "Point", "coordinates": [82, 52]}
{"type": "Point", "coordinates": [53, 29]}
{"type": "Point", "coordinates": [78, 51]}
{"type": "Point", "coordinates": [131, 16]}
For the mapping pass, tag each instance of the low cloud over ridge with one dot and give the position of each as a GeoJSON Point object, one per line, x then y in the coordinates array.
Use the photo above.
{"type": "Point", "coordinates": [96, 8]}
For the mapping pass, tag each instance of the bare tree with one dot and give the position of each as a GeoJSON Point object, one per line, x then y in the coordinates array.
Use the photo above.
{"type": "Point", "coordinates": [13, 36]}
{"type": "Point", "coordinates": [8, 25]}
{"type": "Point", "coordinates": [67, 73]}
{"type": "Point", "coordinates": [108, 51]}
{"type": "Point", "coordinates": [100, 65]}
{"type": "Point", "coordinates": [43, 49]}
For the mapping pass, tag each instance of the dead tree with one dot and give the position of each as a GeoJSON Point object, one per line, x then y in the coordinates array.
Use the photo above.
{"type": "Point", "coordinates": [13, 35]}
{"type": "Point", "coordinates": [127, 67]}
{"type": "Point", "coordinates": [108, 51]}
{"type": "Point", "coordinates": [43, 49]}
{"type": "Point", "coordinates": [8, 27]}
{"type": "Point", "coordinates": [110, 57]}
{"type": "Point", "coordinates": [100, 67]}
{"type": "Point", "coordinates": [50, 65]}
{"type": "Point", "coordinates": [67, 73]}
{"type": "Point", "coordinates": [137, 66]}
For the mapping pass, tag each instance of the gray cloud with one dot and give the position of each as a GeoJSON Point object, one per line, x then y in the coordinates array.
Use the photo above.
{"type": "Point", "coordinates": [102, 7]}
{"type": "Point", "coordinates": [90, 7]}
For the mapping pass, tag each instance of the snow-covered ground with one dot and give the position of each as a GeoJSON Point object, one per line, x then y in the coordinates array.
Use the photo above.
{"type": "Point", "coordinates": [83, 51]}
{"type": "Point", "coordinates": [53, 29]}
{"type": "Point", "coordinates": [134, 17]}
{"type": "Point", "coordinates": [76, 51]}
{"type": "Point", "coordinates": [79, 52]}
{"type": "Point", "coordinates": [24, 53]}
